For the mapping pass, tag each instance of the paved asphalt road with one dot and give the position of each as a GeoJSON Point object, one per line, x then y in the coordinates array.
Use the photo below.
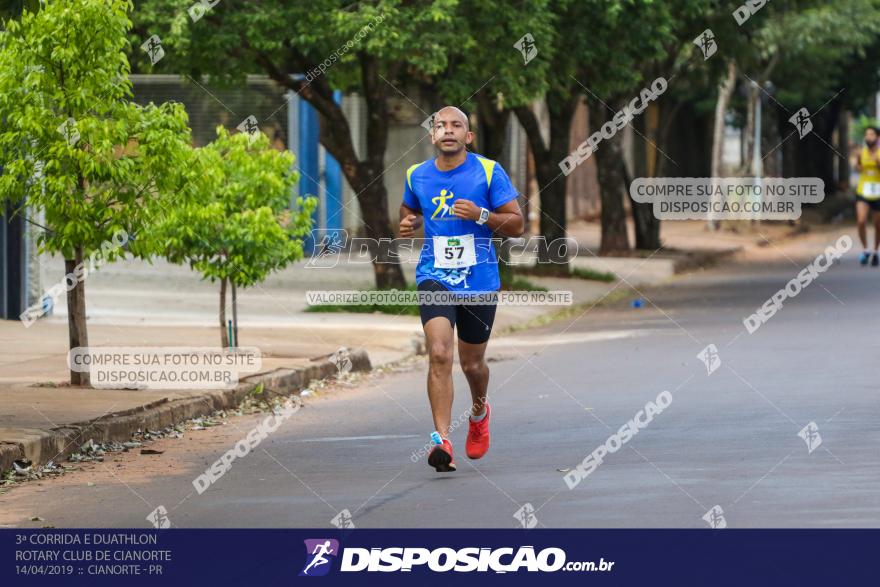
{"type": "Point", "coordinates": [728, 439]}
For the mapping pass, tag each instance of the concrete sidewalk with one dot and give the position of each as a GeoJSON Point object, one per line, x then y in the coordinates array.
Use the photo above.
{"type": "Point", "coordinates": [128, 306]}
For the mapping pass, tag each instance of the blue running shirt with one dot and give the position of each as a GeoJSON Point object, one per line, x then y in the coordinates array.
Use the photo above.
{"type": "Point", "coordinates": [432, 191]}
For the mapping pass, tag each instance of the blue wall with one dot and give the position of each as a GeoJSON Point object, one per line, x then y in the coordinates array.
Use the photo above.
{"type": "Point", "coordinates": [310, 178]}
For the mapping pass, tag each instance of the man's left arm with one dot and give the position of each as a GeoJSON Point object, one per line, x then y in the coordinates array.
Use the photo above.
{"type": "Point", "coordinates": [506, 220]}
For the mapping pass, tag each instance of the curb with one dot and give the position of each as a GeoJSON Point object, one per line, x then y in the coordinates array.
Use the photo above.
{"type": "Point", "coordinates": [41, 446]}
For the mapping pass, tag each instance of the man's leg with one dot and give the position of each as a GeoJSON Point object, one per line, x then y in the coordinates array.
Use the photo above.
{"type": "Point", "coordinates": [473, 363]}
{"type": "Point", "coordinates": [876, 217]}
{"type": "Point", "coordinates": [862, 210]}
{"type": "Point", "coordinates": [438, 334]}
{"type": "Point", "coordinates": [437, 321]}
{"type": "Point", "coordinates": [474, 323]}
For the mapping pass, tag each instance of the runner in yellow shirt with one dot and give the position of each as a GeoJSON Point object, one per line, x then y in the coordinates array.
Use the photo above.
{"type": "Point", "coordinates": [868, 194]}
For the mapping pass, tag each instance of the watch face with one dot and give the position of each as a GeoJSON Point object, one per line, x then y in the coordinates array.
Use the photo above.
{"type": "Point", "coordinates": [484, 215]}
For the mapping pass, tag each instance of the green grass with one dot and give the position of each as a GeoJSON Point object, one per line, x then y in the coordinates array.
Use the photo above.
{"type": "Point", "coordinates": [520, 283]}
{"type": "Point", "coordinates": [592, 274]}
{"type": "Point", "coordinates": [576, 272]}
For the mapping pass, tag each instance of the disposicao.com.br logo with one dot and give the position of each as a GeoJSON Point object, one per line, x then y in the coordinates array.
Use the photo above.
{"type": "Point", "coordinates": [442, 560]}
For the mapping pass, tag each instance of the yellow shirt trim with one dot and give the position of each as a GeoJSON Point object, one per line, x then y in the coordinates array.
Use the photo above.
{"type": "Point", "coordinates": [409, 173]}
{"type": "Point", "coordinates": [488, 167]}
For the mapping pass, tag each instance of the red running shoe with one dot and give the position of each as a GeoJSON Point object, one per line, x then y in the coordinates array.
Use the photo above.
{"type": "Point", "coordinates": [441, 457]}
{"type": "Point", "coordinates": [478, 437]}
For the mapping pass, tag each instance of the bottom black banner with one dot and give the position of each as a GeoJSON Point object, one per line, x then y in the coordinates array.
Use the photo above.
{"type": "Point", "coordinates": [467, 556]}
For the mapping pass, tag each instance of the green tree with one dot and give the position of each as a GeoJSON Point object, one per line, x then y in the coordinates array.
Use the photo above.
{"type": "Point", "coordinates": [669, 52]}
{"type": "Point", "coordinates": [238, 229]}
{"type": "Point", "coordinates": [632, 43]}
{"type": "Point", "coordinates": [602, 65]}
{"type": "Point", "coordinates": [74, 146]}
{"type": "Point", "coordinates": [13, 8]}
{"type": "Point", "coordinates": [566, 46]}
{"type": "Point", "coordinates": [361, 47]}
{"type": "Point", "coordinates": [487, 74]}
{"type": "Point", "coordinates": [837, 44]}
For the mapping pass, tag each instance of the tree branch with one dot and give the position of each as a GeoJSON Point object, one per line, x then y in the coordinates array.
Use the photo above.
{"type": "Point", "coordinates": [335, 132]}
{"type": "Point", "coordinates": [377, 110]}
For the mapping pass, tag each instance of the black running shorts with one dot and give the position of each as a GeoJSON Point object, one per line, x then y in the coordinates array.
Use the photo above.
{"type": "Point", "coordinates": [874, 204]}
{"type": "Point", "coordinates": [474, 322]}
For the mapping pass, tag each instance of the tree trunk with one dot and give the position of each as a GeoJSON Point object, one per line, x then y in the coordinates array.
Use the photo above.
{"type": "Point", "coordinates": [770, 138]}
{"type": "Point", "coordinates": [614, 238]}
{"type": "Point", "coordinates": [492, 132]}
{"type": "Point", "coordinates": [552, 258]}
{"type": "Point", "coordinates": [790, 147]}
{"type": "Point", "coordinates": [224, 336]}
{"type": "Point", "coordinates": [725, 92]}
{"type": "Point", "coordinates": [234, 315]}
{"type": "Point", "coordinates": [752, 99]}
{"type": "Point", "coordinates": [374, 210]}
{"type": "Point", "coordinates": [647, 226]}
{"type": "Point", "coordinates": [814, 158]}
{"type": "Point", "coordinates": [611, 187]}
{"type": "Point", "coordinates": [76, 314]}
{"type": "Point", "coordinates": [491, 138]}
{"type": "Point", "coordinates": [843, 163]}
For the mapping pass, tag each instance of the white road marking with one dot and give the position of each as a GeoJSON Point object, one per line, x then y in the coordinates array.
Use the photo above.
{"type": "Point", "coordinates": [349, 438]}
{"type": "Point", "coordinates": [569, 338]}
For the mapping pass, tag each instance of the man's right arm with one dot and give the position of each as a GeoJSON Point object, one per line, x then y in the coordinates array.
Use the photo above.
{"type": "Point", "coordinates": [410, 221]}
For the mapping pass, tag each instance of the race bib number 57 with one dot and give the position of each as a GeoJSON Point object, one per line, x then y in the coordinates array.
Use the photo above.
{"type": "Point", "coordinates": [454, 252]}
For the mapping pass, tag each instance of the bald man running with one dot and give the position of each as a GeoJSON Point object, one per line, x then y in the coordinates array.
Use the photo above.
{"type": "Point", "coordinates": [461, 198]}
